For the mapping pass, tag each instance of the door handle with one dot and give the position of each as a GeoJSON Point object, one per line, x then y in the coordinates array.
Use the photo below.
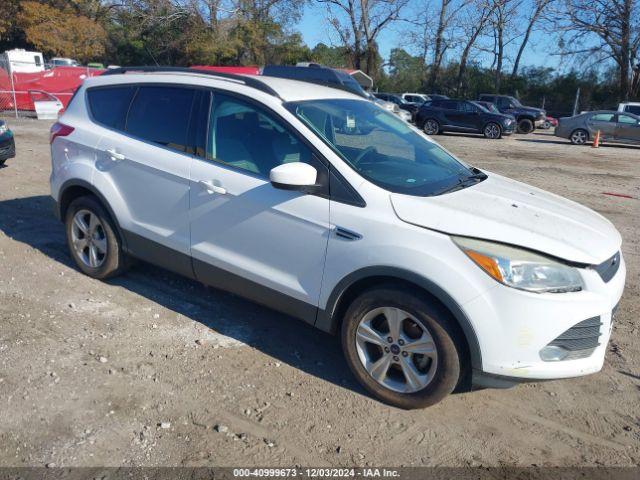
{"type": "Point", "coordinates": [211, 188]}
{"type": "Point", "coordinates": [115, 155]}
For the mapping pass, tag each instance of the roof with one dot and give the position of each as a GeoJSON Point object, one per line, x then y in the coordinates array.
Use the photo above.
{"type": "Point", "coordinates": [285, 89]}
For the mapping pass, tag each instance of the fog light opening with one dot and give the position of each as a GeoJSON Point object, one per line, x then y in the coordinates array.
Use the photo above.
{"type": "Point", "coordinates": [553, 353]}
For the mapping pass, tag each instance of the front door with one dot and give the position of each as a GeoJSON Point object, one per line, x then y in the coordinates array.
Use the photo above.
{"type": "Point", "coordinates": [248, 237]}
{"type": "Point", "coordinates": [627, 129]}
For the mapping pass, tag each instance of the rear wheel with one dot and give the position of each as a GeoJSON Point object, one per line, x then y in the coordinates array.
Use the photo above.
{"type": "Point", "coordinates": [492, 130]}
{"type": "Point", "coordinates": [431, 127]}
{"type": "Point", "coordinates": [579, 137]}
{"type": "Point", "coordinates": [92, 239]}
{"type": "Point", "coordinates": [403, 350]}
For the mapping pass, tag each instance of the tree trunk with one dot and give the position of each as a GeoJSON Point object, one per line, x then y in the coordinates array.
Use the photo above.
{"type": "Point", "coordinates": [525, 40]}
{"type": "Point", "coordinates": [438, 49]}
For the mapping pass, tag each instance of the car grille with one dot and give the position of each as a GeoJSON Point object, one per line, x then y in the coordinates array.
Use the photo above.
{"type": "Point", "coordinates": [581, 339]}
{"type": "Point", "coordinates": [608, 268]}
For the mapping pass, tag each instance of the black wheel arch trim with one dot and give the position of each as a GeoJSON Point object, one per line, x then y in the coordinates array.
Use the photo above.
{"type": "Point", "coordinates": [327, 321]}
{"type": "Point", "coordinates": [60, 214]}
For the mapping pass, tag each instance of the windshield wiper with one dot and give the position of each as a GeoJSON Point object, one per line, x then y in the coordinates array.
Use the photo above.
{"type": "Point", "coordinates": [476, 177]}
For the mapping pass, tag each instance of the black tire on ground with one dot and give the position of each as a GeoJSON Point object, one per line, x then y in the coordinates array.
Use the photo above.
{"type": "Point", "coordinates": [2, 162]}
{"type": "Point", "coordinates": [115, 261]}
{"type": "Point", "coordinates": [452, 354]}
{"type": "Point", "coordinates": [525, 126]}
{"type": "Point", "coordinates": [431, 126]}
{"type": "Point", "coordinates": [492, 131]}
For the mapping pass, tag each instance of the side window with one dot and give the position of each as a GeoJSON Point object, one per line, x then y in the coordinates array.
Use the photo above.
{"type": "Point", "coordinates": [627, 120]}
{"type": "Point", "coordinates": [504, 103]}
{"type": "Point", "coordinates": [37, 60]}
{"type": "Point", "coordinates": [603, 117]}
{"type": "Point", "coordinates": [467, 107]}
{"type": "Point", "coordinates": [244, 136]}
{"type": "Point", "coordinates": [161, 115]}
{"type": "Point", "coordinates": [450, 104]}
{"type": "Point", "coordinates": [635, 109]}
{"type": "Point", "coordinates": [109, 105]}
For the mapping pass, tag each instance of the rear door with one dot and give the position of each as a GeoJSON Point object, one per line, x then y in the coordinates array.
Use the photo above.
{"type": "Point", "coordinates": [627, 129]}
{"type": "Point", "coordinates": [605, 123]}
{"type": "Point", "coordinates": [145, 160]}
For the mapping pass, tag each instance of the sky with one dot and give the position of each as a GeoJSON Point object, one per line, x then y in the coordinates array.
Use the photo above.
{"type": "Point", "coordinates": [315, 28]}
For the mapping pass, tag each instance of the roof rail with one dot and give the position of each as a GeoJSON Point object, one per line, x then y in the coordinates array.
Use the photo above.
{"type": "Point", "coordinates": [247, 80]}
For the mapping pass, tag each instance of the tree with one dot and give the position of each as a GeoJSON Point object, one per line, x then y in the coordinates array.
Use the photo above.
{"type": "Point", "coordinates": [61, 32]}
{"type": "Point", "coordinates": [473, 24]}
{"type": "Point", "coordinates": [359, 23]}
{"type": "Point", "coordinates": [539, 7]}
{"type": "Point", "coordinates": [502, 19]}
{"type": "Point", "coordinates": [604, 30]}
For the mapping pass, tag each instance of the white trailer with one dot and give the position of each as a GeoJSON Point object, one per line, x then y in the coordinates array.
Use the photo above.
{"type": "Point", "coordinates": [22, 61]}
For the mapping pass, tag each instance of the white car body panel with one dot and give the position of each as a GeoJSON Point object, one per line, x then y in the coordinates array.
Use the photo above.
{"type": "Point", "coordinates": [511, 212]}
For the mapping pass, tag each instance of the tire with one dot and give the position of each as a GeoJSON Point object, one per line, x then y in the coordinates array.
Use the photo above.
{"type": "Point", "coordinates": [431, 127]}
{"type": "Point", "coordinates": [438, 373]}
{"type": "Point", "coordinates": [492, 131]}
{"type": "Point", "coordinates": [2, 162]}
{"type": "Point", "coordinates": [525, 126]}
{"type": "Point", "coordinates": [102, 256]}
{"type": "Point", "coordinates": [579, 136]}
{"type": "Point", "coordinates": [546, 125]}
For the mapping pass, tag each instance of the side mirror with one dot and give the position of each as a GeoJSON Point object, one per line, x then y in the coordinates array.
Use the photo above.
{"type": "Point", "coordinates": [296, 176]}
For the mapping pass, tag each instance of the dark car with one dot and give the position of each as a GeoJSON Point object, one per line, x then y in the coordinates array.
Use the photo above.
{"type": "Point", "coordinates": [7, 144]}
{"type": "Point", "coordinates": [438, 116]}
{"type": "Point", "coordinates": [317, 74]}
{"type": "Point", "coordinates": [613, 127]}
{"type": "Point", "coordinates": [398, 100]}
{"type": "Point", "coordinates": [528, 118]}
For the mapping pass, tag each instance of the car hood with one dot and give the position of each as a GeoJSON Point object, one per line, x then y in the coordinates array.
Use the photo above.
{"type": "Point", "coordinates": [511, 212]}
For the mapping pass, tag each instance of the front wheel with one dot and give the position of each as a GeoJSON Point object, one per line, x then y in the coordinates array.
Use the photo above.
{"type": "Point", "coordinates": [492, 131]}
{"type": "Point", "coordinates": [403, 350]}
{"type": "Point", "coordinates": [579, 137]}
{"type": "Point", "coordinates": [431, 127]}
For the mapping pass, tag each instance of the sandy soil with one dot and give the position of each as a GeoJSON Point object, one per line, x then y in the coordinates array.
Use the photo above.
{"type": "Point", "coordinates": [153, 369]}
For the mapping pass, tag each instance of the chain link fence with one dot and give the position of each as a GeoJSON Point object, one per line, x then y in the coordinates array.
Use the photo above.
{"type": "Point", "coordinates": [25, 93]}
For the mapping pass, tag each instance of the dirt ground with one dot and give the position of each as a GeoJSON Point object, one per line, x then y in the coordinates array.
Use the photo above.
{"type": "Point", "coordinates": [152, 369]}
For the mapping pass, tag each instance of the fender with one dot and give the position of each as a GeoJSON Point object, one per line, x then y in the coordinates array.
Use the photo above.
{"type": "Point", "coordinates": [327, 321]}
{"type": "Point", "coordinates": [58, 207]}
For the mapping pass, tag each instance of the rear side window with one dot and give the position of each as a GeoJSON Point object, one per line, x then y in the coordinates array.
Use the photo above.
{"type": "Point", "coordinates": [603, 117]}
{"type": "Point", "coordinates": [109, 105]}
{"type": "Point", "coordinates": [161, 115]}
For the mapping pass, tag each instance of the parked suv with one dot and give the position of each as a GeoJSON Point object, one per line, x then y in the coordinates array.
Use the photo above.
{"type": "Point", "coordinates": [437, 116]}
{"type": "Point", "coordinates": [320, 204]}
{"type": "Point", "coordinates": [528, 118]}
{"type": "Point", "coordinates": [7, 143]}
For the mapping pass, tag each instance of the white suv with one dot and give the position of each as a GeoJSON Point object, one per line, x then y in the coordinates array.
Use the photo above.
{"type": "Point", "coordinates": [320, 204]}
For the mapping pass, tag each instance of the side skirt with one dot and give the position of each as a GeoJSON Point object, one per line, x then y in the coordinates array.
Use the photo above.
{"type": "Point", "coordinates": [165, 257]}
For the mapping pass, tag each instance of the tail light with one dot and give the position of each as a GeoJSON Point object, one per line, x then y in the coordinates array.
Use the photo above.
{"type": "Point", "coordinates": [59, 130]}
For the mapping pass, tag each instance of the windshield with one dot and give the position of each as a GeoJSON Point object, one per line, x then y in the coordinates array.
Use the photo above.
{"type": "Point", "coordinates": [515, 102]}
{"type": "Point", "coordinates": [384, 149]}
{"type": "Point", "coordinates": [483, 107]}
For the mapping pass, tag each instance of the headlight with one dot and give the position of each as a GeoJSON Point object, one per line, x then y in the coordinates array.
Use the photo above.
{"type": "Point", "coordinates": [520, 268]}
{"type": "Point", "coordinates": [3, 128]}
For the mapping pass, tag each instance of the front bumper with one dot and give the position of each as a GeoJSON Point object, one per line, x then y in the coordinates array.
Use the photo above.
{"type": "Point", "coordinates": [7, 148]}
{"type": "Point", "coordinates": [513, 326]}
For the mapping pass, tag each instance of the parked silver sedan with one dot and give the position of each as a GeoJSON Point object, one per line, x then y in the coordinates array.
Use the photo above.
{"type": "Point", "coordinates": [614, 127]}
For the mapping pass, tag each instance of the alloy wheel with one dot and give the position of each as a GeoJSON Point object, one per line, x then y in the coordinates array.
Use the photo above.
{"type": "Point", "coordinates": [396, 349]}
{"type": "Point", "coordinates": [88, 238]}
{"type": "Point", "coordinates": [579, 137]}
{"type": "Point", "coordinates": [492, 131]}
{"type": "Point", "coordinates": [431, 127]}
